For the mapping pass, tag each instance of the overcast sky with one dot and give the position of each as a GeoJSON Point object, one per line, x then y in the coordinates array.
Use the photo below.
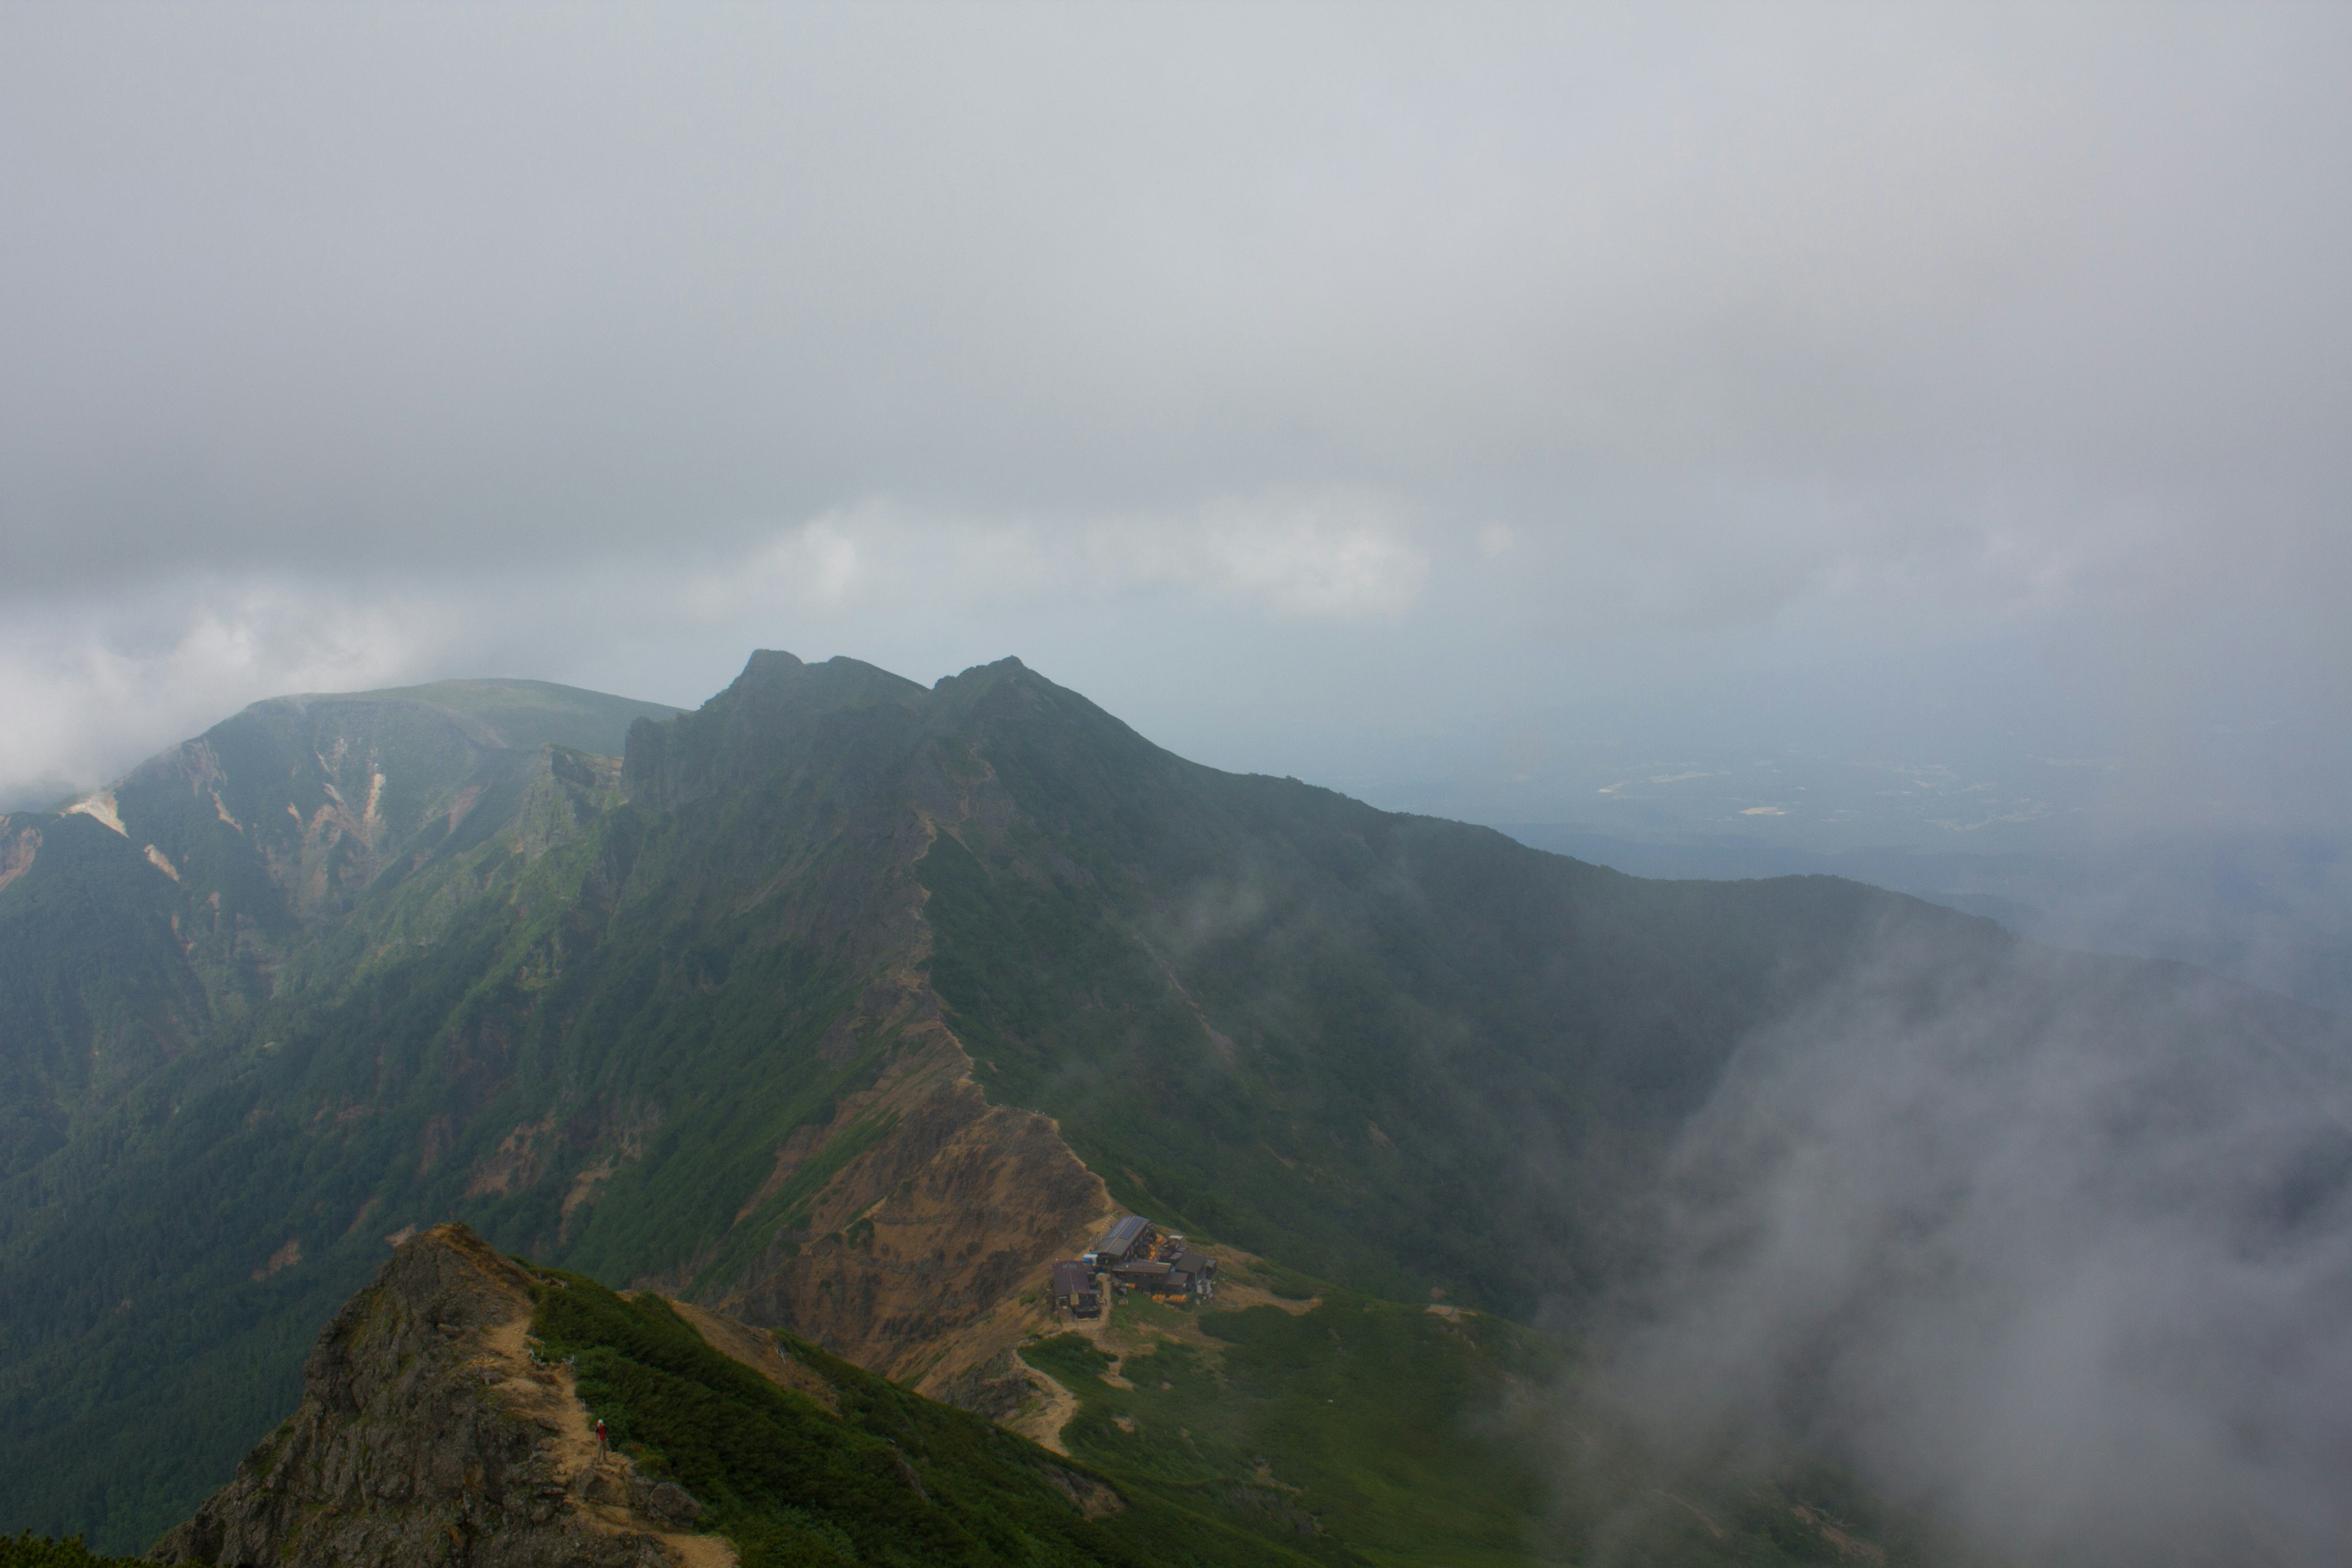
{"type": "Point", "coordinates": [1374, 395]}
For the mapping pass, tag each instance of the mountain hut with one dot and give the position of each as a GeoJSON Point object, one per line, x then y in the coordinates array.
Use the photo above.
{"type": "Point", "coordinates": [1075, 1293]}
{"type": "Point", "coordinates": [1131, 1238]}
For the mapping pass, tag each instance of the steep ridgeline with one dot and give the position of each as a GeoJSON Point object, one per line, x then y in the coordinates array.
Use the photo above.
{"type": "Point", "coordinates": [449, 1415]}
{"type": "Point", "coordinates": [841, 1003]}
{"type": "Point", "coordinates": [427, 1431]}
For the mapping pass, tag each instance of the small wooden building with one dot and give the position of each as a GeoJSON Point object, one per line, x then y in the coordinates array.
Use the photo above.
{"type": "Point", "coordinates": [1194, 1274]}
{"type": "Point", "coordinates": [1142, 1275]}
{"type": "Point", "coordinates": [1075, 1293]}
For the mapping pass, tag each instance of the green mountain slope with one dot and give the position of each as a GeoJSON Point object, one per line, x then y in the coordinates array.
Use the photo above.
{"type": "Point", "coordinates": [139, 918]}
{"type": "Point", "coordinates": [787, 1485]}
{"type": "Point", "coordinates": [459, 1388]}
{"type": "Point", "coordinates": [1396, 1052]}
{"type": "Point", "coordinates": [1413, 1436]}
{"type": "Point", "coordinates": [841, 1002]}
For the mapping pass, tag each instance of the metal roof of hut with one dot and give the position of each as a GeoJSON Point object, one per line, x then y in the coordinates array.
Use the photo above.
{"type": "Point", "coordinates": [1120, 1238]}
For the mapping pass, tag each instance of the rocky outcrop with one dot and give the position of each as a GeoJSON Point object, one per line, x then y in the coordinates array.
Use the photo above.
{"type": "Point", "coordinates": [998, 1388]}
{"type": "Point", "coordinates": [932, 1231]}
{"type": "Point", "coordinates": [428, 1433]}
{"type": "Point", "coordinates": [18, 845]}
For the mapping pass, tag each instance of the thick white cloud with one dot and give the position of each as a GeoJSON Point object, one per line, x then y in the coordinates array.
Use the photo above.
{"type": "Point", "coordinates": [95, 685]}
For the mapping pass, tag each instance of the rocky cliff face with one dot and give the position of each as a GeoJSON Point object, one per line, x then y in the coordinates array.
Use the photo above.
{"type": "Point", "coordinates": [912, 1251]}
{"type": "Point", "coordinates": [428, 1433]}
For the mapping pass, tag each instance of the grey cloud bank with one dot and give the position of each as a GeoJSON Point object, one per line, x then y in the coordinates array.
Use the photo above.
{"type": "Point", "coordinates": [1462, 374]}
{"type": "Point", "coordinates": [2029, 1253]}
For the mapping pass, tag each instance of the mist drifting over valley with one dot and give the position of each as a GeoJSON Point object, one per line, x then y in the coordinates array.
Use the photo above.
{"type": "Point", "coordinates": [1849, 505]}
{"type": "Point", "coordinates": [2042, 1256]}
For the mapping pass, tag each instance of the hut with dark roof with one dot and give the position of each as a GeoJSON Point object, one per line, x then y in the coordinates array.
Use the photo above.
{"type": "Point", "coordinates": [1075, 1293]}
{"type": "Point", "coordinates": [1131, 1237]}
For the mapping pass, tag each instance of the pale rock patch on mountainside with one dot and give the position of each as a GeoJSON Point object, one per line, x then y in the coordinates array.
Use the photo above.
{"type": "Point", "coordinates": [427, 1434]}
{"type": "Point", "coordinates": [286, 1257]}
{"type": "Point", "coordinates": [622, 1142]}
{"type": "Point", "coordinates": [99, 807]}
{"type": "Point", "coordinates": [514, 1164]}
{"type": "Point", "coordinates": [326, 794]}
{"type": "Point", "coordinates": [18, 846]}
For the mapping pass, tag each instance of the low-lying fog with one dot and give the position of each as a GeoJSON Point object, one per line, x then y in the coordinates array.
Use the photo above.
{"type": "Point", "coordinates": [2043, 1250]}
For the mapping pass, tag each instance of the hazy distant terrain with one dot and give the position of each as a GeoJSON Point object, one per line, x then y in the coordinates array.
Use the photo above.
{"type": "Point", "coordinates": [2058, 847]}
{"type": "Point", "coordinates": [2274, 909]}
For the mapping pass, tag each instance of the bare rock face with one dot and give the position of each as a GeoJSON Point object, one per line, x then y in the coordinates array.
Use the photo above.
{"type": "Point", "coordinates": [939, 1223]}
{"type": "Point", "coordinates": [426, 1433]}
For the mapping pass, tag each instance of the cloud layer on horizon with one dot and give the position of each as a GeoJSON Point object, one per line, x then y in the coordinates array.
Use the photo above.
{"type": "Point", "coordinates": [1525, 355]}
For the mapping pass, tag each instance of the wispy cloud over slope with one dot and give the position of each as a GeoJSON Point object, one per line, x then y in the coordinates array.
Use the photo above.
{"type": "Point", "coordinates": [2059, 1271]}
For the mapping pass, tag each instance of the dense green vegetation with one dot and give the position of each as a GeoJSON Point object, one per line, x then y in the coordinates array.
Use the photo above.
{"type": "Point", "coordinates": [29, 1550]}
{"type": "Point", "coordinates": [93, 992]}
{"type": "Point", "coordinates": [891, 1478]}
{"type": "Point", "coordinates": [1391, 1050]}
{"type": "Point", "coordinates": [1388, 1428]}
{"type": "Point", "coordinates": [1413, 1437]}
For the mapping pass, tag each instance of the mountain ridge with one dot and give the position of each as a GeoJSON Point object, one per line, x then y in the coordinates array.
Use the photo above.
{"type": "Point", "coordinates": [842, 1003]}
{"type": "Point", "coordinates": [444, 1418]}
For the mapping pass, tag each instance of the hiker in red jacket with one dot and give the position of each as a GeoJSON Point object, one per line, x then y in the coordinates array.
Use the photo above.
{"type": "Point", "coordinates": [603, 1440]}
